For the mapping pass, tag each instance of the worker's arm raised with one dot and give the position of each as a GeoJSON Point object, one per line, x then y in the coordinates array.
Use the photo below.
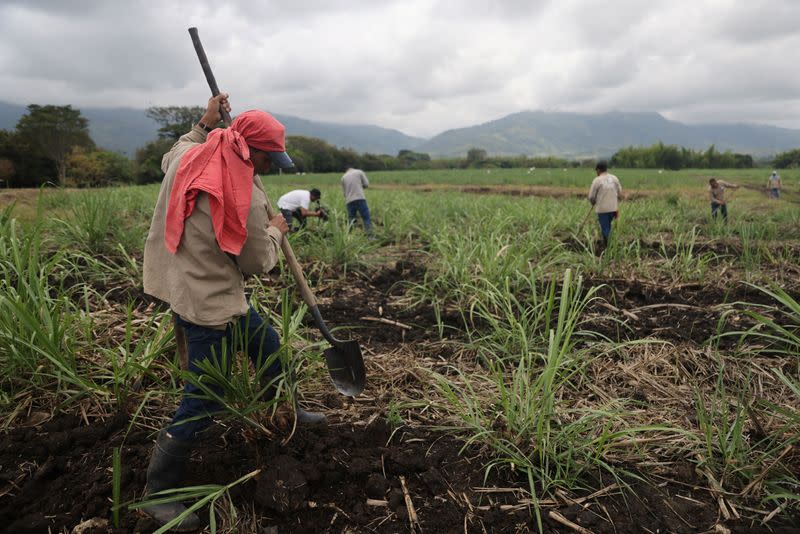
{"type": "Point", "coordinates": [213, 113]}
{"type": "Point", "coordinates": [197, 134]}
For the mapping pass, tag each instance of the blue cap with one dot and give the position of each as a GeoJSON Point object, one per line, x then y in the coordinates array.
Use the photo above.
{"type": "Point", "coordinates": [281, 159]}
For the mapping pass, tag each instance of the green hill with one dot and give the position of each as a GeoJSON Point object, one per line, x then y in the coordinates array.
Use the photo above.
{"type": "Point", "coordinates": [581, 134]}
{"type": "Point", "coordinates": [535, 133]}
{"type": "Point", "coordinates": [126, 129]}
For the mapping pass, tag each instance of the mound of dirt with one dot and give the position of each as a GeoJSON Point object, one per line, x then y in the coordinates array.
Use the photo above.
{"type": "Point", "coordinates": [58, 475]}
{"type": "Point", "coordinates": [284, 486]}
{"type": "Point", "coordinates": [337, 478]}
{"type": "Point", "coordinates": [685, 312]}
{"type": "Point", "coordinates": [370, 306]}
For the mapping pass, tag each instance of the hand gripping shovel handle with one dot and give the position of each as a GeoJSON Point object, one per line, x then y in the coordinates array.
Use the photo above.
{"type": "Point", "coordinates": [344, 360]}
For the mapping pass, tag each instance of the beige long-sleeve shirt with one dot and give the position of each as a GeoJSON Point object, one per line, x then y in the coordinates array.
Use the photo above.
{"type": "Point", "coordinates": [201, 283]}
{"type": "Point", "coordinates": [604, 193]}
{"type": "Point", "coordinates": [353, 183]}
{"type": "Point", "coordinates": [717, 194]}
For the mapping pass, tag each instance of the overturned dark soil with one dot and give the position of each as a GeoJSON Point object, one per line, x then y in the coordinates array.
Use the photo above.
{"type": "Point", "coordinates": [368, 303]}
{"type": "Point", "coordinates": [684, 312]}
{"type": "Point", "coordinates": [717, 250]}
{"type": "Point", "coordinates": [342, 477]}
{"type": "Point", "coordinates": [58, 474]}
{"type": "Point", "coordinates": [346, 477]}
{"type": "Point", "coordinates": [627, 309]}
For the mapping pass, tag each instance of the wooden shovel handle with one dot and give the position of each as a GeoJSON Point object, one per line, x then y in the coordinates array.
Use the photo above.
{"type": "Point", "coordinates": [294, 265]}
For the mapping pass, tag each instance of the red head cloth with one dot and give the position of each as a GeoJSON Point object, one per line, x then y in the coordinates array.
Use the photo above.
{"type": "Point", "coordinates": [261, 130]}
{"type": "Point", "coordinates": [221, 167]}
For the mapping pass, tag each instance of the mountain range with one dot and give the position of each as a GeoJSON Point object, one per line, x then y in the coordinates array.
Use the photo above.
{"type": "Point", "coordinates": [535, 133]}
{"type": "Point", "coordinates": [582, 134]}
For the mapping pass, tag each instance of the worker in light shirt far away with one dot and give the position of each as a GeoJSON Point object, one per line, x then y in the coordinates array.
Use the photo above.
{"type": "Point", "coordinates": [604, 196]}
{"type": "Point", "coordinates": [296, 205]}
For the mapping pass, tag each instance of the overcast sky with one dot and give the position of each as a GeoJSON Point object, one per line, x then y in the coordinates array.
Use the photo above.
{"type": "Point", "coordinates": [420, 66]}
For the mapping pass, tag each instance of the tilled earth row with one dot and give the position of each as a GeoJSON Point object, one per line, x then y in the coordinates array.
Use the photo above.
{"type": "Point", "coordinates": [357, 474]}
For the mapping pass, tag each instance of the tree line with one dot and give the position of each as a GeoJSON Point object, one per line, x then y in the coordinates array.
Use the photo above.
{"type": "Point", "coordinates": [51, 144]}
{"type": "Point", "coordinates": [311, 154]}
{"type": "Point", "coordinates": [672, 157]}
{"type": "Point", "coordinates": [787, 160]}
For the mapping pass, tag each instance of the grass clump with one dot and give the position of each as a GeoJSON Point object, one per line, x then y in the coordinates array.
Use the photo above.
{"type": "Point", "coordinates": [41, 326]}
{"type": "Point", "coordinates": [517, 411]}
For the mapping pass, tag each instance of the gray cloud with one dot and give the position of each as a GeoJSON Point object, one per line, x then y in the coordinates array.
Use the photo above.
{"type": "Point", "coordinates": [421, 66]}
{"type": "Point", "coordinates": [751, 22]}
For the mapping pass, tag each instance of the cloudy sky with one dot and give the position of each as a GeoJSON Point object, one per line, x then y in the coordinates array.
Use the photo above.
{"type": "Point", "coordinates": [421, 66]}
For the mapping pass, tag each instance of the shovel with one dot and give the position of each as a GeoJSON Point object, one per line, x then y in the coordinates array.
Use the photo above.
{"type": "Point", "coordinates": [344, 360]}
{"type": "Point", "coordinates": [586, 218]}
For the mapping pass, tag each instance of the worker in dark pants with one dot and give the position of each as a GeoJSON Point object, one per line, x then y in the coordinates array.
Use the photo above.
{"type": "Point", "coordinates": [296, 205]}
{"type": "Point", "coordinates": [209, 231]}
{"type": "Point", "coordinates": [716, 194]}
{"type": "Point", "coordinates": [354, 181]}
{"type": "Point", "coordinates": [604, 196]}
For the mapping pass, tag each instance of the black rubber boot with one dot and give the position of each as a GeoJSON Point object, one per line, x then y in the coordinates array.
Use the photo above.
{"type": "Point", "coordinates": [166, 471]}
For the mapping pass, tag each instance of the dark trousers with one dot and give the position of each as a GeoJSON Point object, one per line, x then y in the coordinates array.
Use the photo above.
{"type": "Point", "coordinates": [254, 336]}
{"type": "Point", "coordinates": [291, 215]}
{"type": "Point", "coordinates": [723, 208]}
{"type": "Point", "coordinates": [359, 207]}
{"type": "Point", "coordinates": [605, 223]}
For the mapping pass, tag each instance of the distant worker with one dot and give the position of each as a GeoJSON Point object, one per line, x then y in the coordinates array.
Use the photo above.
{"type": "Point", "coordinates": [353, 183]}
{"type": "Point", "coordinates": [295, 205]}
{"type": "Point", "coordinates": [716, 191]}
{"type": "Point", "coordinates": [774, 185]}
{"type": "Point", "coordinates": [604, 196]}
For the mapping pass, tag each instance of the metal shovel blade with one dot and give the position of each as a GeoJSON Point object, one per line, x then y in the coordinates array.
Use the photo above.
{"type": "Point", "coordinates": [346, 367]}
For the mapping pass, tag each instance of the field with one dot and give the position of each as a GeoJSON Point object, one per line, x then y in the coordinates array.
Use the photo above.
{"type": "Point", "coordinates": [519, 380]}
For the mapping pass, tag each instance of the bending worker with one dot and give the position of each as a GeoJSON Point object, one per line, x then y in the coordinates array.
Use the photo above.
{"type": "Point", "coordinates": [716, 193]}
{"type": "Point", "coordinates": [295, 205]}
{"type": "Point", "coordinates": [209, 230]}
{"type": "Point", "coordinates": [353, 183]}
{"type": "Point", "coordinates": [604, 196]}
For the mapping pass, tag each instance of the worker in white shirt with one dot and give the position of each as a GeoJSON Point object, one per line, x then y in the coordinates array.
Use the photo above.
{"type": "Point", "coordinates": [296, 205]}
